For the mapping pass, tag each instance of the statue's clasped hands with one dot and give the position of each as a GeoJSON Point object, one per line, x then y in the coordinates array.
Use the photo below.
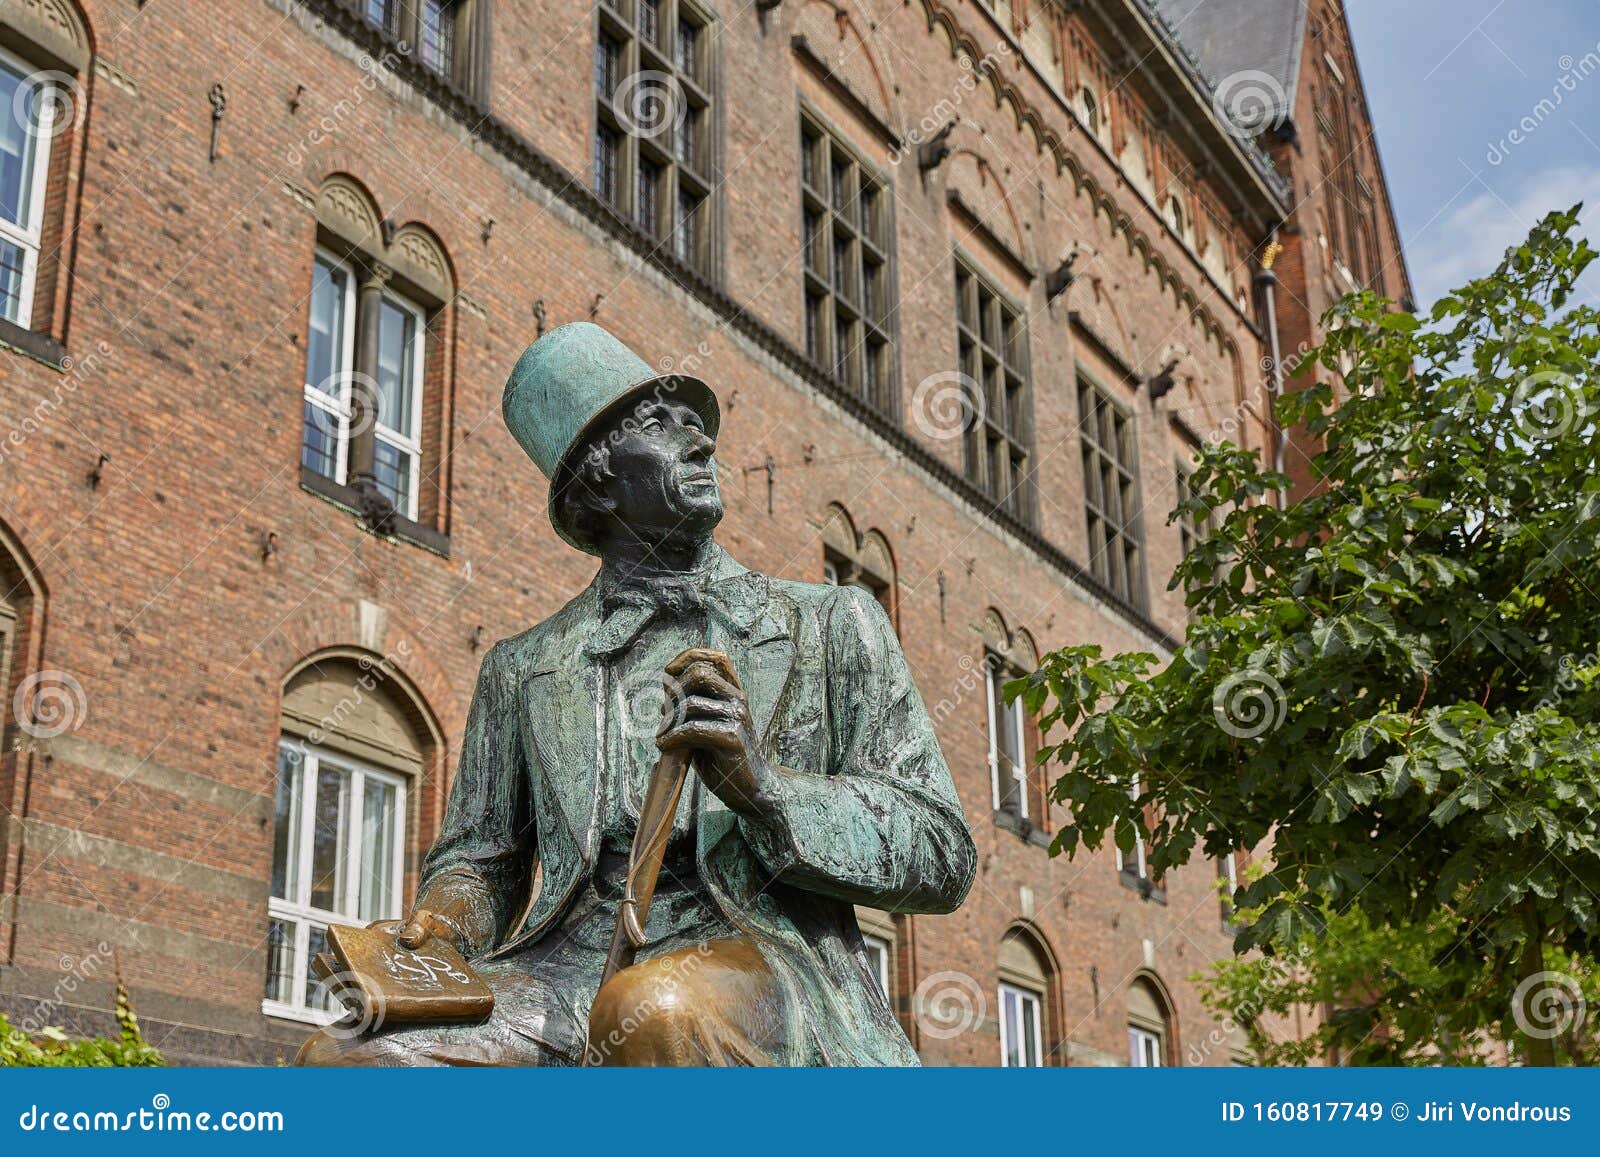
{"type": "Point", "coordinates": [707, 713]}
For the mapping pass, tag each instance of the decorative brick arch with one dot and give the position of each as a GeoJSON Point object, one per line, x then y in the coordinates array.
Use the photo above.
{"type": "Point", "coordinates": [357, 627]}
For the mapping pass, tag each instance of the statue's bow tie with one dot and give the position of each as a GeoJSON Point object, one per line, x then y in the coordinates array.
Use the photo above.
{"type": "Point", "coordinates": [626, 609]}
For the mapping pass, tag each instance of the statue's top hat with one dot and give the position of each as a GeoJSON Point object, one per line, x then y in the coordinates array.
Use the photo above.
{"type": "Point", "coordinates": [569, 385]}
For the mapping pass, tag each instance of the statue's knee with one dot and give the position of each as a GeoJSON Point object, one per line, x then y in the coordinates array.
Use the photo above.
{"type": "Point", "coordinates": [640, 1012]}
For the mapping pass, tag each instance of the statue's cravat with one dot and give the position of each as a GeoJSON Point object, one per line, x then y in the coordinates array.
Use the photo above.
{"type": "Point", "coordinates": [628, 607]}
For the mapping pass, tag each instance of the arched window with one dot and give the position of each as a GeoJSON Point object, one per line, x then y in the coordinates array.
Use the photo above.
{"type": "Point", "coordinates": [1014, 781]}
{"type": "Point", "coordinates": [44, 87]}
{"type": "Point", "coordinates": [1025, 999]}
{"type": "Point", "coordinates": [352, 747]}
{"type": "Point", "coordinates": [1152, 1043]}
{"type": "Point", "coordinates": [858, 560]}
{"type": "Point", "coordinates": [376, 370]}
{"type": "Point", "coordinates": [1089, 106]}
{"type": "Point", "coordinates": [1175, 217]}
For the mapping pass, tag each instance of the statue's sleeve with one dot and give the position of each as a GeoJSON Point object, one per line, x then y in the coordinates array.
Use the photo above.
{"type": "Point", "coordinates": [479, 869]}
{"type": "Point", "coordinates": [880, 826]}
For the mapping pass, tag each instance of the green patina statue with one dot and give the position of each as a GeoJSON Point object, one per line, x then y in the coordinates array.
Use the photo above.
{"type": "Point", "coordinates": [817, 781]}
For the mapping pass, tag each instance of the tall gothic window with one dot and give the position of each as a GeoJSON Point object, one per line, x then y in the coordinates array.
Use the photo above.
{"type": "Point", "coordinates": [653, 141]}
{"type": "Point", "coordinates": [992, 336]}
{"type": "Point", "coordinates": [849, 305]}
{"type": "Point", "coordinates": [1111, 493]}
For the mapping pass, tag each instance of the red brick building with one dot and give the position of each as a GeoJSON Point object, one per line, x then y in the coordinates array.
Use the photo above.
{"type": "Point", "coordinates": [972, 280]}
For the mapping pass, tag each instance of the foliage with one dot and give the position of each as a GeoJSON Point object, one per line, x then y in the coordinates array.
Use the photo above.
{"type": "Point", "coordinates": [1373, 988]}
{"type": "Point", "coordinates": [52, 1048]}
{"type": "Point", "coordinates": [1392, 678]}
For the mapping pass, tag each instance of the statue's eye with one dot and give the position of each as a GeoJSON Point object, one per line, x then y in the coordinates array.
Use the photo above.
{"type": "Point", "coordinates": [651, 426]}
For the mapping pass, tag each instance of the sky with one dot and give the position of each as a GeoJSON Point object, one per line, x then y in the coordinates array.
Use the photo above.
{"type": "Point", "coordinates": [1471, 157]}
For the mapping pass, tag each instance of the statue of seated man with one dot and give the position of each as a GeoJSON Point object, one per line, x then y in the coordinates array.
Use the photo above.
{"type": "Point", "coordinates": [817, 785]}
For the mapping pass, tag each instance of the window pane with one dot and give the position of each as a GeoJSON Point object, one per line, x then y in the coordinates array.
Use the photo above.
{"type": "Point", "coordinates": [607, 62]}
{"type": "Point", "coordinates": [607, 150]}
{"type": "Point", "coordinates": [437, 32]}
{"type": "Point", "coordinates": [280, 961]}
{"type": "Point", "coordinates": [286, 827]}
{"type": "Point", "coordinates": [378, 833]}
{"type": "Point", "coordinates": [650, 19]}
{"type": "Point", "coordinates": [1011, 1057]}
{"type": "Point", "coordinates": [646, 207]}
{"type": "Point", "coordinates": [19, 104]}
{"type": "Point", "coordinates": [317, 994]}
{"type": "Point", "coordinates": [1030, 1040]}
{"type": "Point", "coordinates": [688, 55]}
{"type": "Point", "coordinates": [13, 259]}
{"type": "Point", "coordinates": [391, 469]}
{"type": "Point", "coordinates": [325, 346]}
{"type": "Point", "coordinates": [328, 837]}
{"type": "Point", "coordinates": [319, 441]}
{"type": "Point", "coordinates": [397, 332]}
{"type": "Point", "coordinates": [686, 236]}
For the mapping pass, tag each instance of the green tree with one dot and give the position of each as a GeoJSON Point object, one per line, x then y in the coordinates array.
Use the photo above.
{"type": "Point", "coordinates": [1392, 680]}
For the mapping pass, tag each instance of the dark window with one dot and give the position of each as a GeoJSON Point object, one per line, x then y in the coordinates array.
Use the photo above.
{"type": "Point", "coordinates": [1111, 494]}
{"type": "Point", "coordinates": [992, 338]}
{"type": "Point", "coordinates": [848, 299]}
{"type": "Point", "coordinates": [653, 121]}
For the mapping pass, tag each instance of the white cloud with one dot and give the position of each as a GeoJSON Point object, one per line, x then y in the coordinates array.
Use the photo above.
{"type": "Point", "coordinates": [1469, 238]}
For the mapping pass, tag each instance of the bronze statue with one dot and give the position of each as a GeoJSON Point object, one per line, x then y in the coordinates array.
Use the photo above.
{"type": "Point", "coordinates": [816, 782]}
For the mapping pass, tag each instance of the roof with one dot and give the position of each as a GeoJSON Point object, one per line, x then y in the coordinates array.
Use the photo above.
{"type": "Point", "coordinates": [1228, 37]}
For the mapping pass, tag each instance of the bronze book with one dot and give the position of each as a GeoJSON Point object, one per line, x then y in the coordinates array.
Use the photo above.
{"type": "Point", "coordinates": [380, 982]}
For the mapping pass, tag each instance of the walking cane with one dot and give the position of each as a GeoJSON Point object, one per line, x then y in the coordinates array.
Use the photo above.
{"type": "Point", "coordinates": [645, 856]}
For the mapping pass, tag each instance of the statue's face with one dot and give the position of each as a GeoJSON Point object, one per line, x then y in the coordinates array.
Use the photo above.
{"type": "Point", "coordinates": [664, 476]}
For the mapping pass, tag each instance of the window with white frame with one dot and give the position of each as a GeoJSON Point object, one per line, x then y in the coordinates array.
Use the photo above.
{"type": "Point", "coordinates": [1007, 758]}
{"type": "Point", "coordinates": [1020, 1028]}
{"type": "Point", "coordinates": [337, 857]}
{"type": "Point", "coordinates": [1133, 864]}
{"type": "Point", "coordinates": [878, 960]}
{"type": "Point", "coordinates": [25, 132]}
{"type": "Point", "coordinates": [1144, 1047]}
{"type": "Point", "coordinates": [396, 379]}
